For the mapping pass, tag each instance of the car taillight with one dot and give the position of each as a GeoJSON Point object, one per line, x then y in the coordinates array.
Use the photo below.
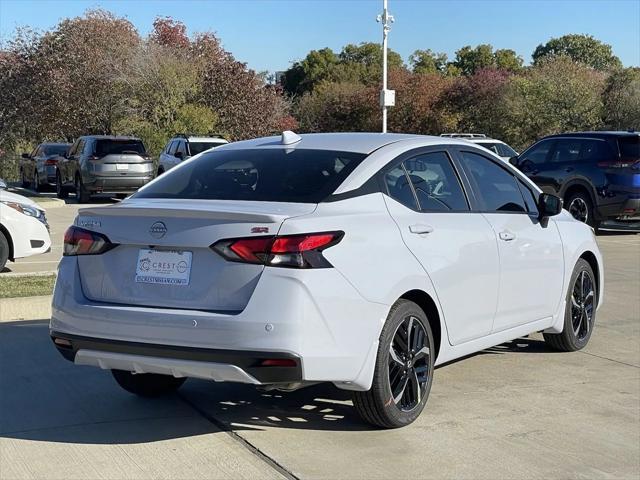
{"type": "Point", "coordinates": [78, 241]}
{"type": "Point", "coordinates": [50, 162]}
{"type": "Point", "coordinates": [291, 251]}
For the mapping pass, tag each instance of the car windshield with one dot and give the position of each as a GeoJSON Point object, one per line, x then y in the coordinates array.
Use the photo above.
{"type": "Point", "coordinates": [199, 147]}
{"type": "Point", "coordinates": [112, 146]}
{"type": "Point", "coordinates": [269, 175]}
{"type": "Point", "coordinates": [630, 147]}
{"type": "Point", "coordinates": [59, 149]}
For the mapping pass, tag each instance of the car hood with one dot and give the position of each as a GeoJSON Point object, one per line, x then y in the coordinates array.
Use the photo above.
{"type": "Point", "coordinates": [6, 196]}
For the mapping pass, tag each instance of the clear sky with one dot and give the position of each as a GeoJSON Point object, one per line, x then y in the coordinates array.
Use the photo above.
{"type": "Point", "coordinates": [270, 34]}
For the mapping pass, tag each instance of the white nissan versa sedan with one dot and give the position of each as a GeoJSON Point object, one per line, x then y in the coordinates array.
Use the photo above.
{"type": "Point", "coordinates": [359, 259]}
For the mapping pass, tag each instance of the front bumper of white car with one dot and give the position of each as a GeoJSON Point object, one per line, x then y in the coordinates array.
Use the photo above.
{"type": "Point", "coordinates": [300, 326]}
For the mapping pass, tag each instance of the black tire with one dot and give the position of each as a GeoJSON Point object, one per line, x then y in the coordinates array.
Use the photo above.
{"type": "Point", "coordinates": [4, 250]}
{"type": "Point", "coordinates": [82, 194]}
{"type": "Point", "coordinates": [378, 406]}
{"type": "Point", "coordinates": [147, 384]}
{"type": "Point", "coordinates": [23, 179]}
{"type": "Point", "coordinates": [36, 182]}
{"type": "Point", "coordinates": [61, 190]}
{"type": "Point", "coordinates": [580, 311]}
{"type": "Point", "coordinates": [579, 205]}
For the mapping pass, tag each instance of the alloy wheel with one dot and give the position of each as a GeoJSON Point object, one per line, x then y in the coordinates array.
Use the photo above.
{"type": "Point", "coordinates": [582, 305]}
{"type": "Point", "coordinates": [409, 364]}
{"type": "Point", "coordinates": [579, 209]}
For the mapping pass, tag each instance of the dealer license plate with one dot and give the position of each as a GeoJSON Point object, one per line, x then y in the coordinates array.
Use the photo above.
{"type": "Point", "coordinates": [168, 267]}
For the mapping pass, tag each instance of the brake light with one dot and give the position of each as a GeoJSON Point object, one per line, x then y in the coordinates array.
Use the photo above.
{"type": "Point", "coordinates": [292, 251]}
{"type": "Point", "coordinates": [51, 162]}
{"type": "Point", "coordinates": [78, 241]}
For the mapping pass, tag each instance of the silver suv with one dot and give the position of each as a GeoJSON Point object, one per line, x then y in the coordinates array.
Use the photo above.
{"type": "Point", "coordinates": [101, 164]}
{"type": "Point", "coordinates": [183, 146]}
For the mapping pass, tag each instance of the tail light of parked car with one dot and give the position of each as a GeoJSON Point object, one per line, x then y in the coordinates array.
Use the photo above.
{"type": "Point", "coordinates": [291, 251]}
{"type": "Point", "coordinates": [78, 241]}
{"type": "Point", "coordinates": [50, 162]}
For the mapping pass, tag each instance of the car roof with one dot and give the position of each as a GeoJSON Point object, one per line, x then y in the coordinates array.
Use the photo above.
{"type": "Point", "coordinates": [201, 139]}
{"type": "Point", "coordinates": [343, 142]}
{"type": "Point", "coordinates": [110, 137]}
{"type": "Point", "coordinates": [483, 140]}
{"type": "Point", "coordinates": [603, 133]}
{"type": "Point", "coordinates": [48, 144]}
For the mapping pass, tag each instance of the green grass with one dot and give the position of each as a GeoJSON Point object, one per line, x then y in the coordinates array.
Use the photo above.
{"type": "Point", "coordinates": [27, 286]}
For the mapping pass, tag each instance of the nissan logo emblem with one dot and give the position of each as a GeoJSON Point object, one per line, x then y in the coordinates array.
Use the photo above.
{"type": "Point", "coordinates": [158, 230]}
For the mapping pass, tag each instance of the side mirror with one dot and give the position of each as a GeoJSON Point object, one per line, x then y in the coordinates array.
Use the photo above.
{"type": "Point", "coordinates": [26, 155]}
{"type": "Point", "coordinates": [514, 161]}
{"type": "Point", "coordinates": [549, 205]}
{"type": "Point", "coordinates": [3, 184]}
{"type": "Point", "coordinates": [179, 155]}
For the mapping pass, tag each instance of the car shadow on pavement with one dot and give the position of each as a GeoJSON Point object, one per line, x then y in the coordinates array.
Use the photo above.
{"type": "Point", "coordinates": [46, 398]}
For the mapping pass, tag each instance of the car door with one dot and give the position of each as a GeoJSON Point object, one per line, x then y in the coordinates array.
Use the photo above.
{"type": "Point", "coordinates": [457, 248]}
{"type": "Point", "coordinates": [68, 165]}
{"type": "Point", "coordinates": [531, 258]}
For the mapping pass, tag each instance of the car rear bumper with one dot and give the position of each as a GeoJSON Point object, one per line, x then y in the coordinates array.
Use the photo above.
{"type": "Point", "coordinates": [117, 184]}
{"type": "Point", "coordinates": [210, 364]}
{"type": "Point", "coordinates": [313, 316]}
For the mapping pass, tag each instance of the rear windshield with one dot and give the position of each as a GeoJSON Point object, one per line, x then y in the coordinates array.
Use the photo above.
{"type": "Point", "coordinates": [629, 147]}
{"type": "Point", "coordinates": [108, 147]}
{"type": "Point", "coordinates": [269, 175]}
{"type": "Point", "coordinates": [56, 149]}
{"type": "Point", "coordinates": [199, 147]}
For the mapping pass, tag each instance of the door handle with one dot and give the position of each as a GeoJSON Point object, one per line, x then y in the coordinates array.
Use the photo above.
{"type": "Point", "coordinates": [506, 236]}
{"type": "Point", "coordinates": [420, 229]}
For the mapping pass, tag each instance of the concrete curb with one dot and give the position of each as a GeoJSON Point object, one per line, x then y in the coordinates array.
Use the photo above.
{"type": "Point", "coordinates": [25, 308]}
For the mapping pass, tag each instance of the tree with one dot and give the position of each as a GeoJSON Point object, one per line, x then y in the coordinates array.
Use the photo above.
{"type": "Point", "coordinates": [557, 95]}
{"type": "Point", "coordinates": [507, 59]}
{"type": "Point", "coordinates": [622, 100]}
{"type": "Point", "coordinates": [169, 33]}
{"type": "Point", "coordinates": [469, 60]}
{"type": "Point", "coordinates": [580, 48]}
{"type": "Point", "coordinates": [316, 67]}
{"type": "Point", "coordinates": [428, 61]}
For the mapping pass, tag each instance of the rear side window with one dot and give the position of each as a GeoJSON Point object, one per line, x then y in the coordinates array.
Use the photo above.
{"type": "Point", "coordinates": [494, 186]}
{"type": "Point", "coordinates": [630, 147]}
{"type": "Point", "coordinates": [399, 187]}
{"type": "Point", "coordinates": [268, 175]}
{"type": "Point", "coordinates": [112, 146]}
{"type": "Point", "coordinates": [436, 183]}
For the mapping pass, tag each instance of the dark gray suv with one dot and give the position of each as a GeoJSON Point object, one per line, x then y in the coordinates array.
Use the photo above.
{"type": "Point", "coordinates": [103, 164]}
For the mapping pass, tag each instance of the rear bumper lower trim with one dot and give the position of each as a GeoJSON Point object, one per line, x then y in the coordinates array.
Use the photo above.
{"type": "Point", "coordinates": [216, 364]}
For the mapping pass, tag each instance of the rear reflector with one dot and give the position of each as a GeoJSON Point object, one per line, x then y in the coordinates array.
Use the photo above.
{"type": "Point", "coordinates": [292, 251]}
{"type": "Point", "coordinates": [279, 362]}
{"type": "Point", "coordinates": [78, 241]}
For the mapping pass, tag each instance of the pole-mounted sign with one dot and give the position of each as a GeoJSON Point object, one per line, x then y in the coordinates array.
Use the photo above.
{"type": "Point", "coordinates": [387, 97]}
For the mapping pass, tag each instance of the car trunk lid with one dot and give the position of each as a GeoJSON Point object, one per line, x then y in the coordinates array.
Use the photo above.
{"type": "Point", "coordinates": [163, 257]}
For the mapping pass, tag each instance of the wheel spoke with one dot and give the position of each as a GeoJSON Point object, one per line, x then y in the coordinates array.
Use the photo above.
{"type": "Point", "coordinates": [403, 386]}
{"type": "Point", "coordinates": [415, 386]}
{"type": "Point", "coordinates": [409, 332]}
{"type": "Point", "coordinates": [420, 354]}
{"type": "Point", "coordinates": [394, 356]}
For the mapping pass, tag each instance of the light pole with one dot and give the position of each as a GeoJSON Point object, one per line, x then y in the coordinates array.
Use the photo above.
{"type": "Point", "coordinates": [387, 97]}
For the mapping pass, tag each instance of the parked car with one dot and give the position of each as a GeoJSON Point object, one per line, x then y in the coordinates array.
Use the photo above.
{"type": "Point", "coordinates": [103, 164]}
{"type": "Point", "coordinates": [24, 230]}
{"type": "Point", "coordinates": [38, 168]}
{"type": "Point", "coordinates": [183, 146]}
{"type": "Point", "coordinates": [596, 173]}
{"type": "Point", "coordinates": [498, 147]}
{"type": "Point", "coordinates": [358, 259]}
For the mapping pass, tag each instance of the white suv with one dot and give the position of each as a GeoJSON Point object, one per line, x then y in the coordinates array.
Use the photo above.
{"type": "Point", "coordinates": [501, 149]}
{"type": "Point", "coordinates": [183, 146]}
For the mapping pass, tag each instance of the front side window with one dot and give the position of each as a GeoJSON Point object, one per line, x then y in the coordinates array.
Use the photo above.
{"type": "Point", "coordinates": [537, 154]}
{"type": "Point", "coordinates": [530, 198]}
{"type": "Point", "coordinates": [495, 187]}
{"type": "Point", "coordinates": [180, 148]}
{"type": "Point", "coordinates": [267, 175]}
{"type": "Point", "coordinates": [436, 183]}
